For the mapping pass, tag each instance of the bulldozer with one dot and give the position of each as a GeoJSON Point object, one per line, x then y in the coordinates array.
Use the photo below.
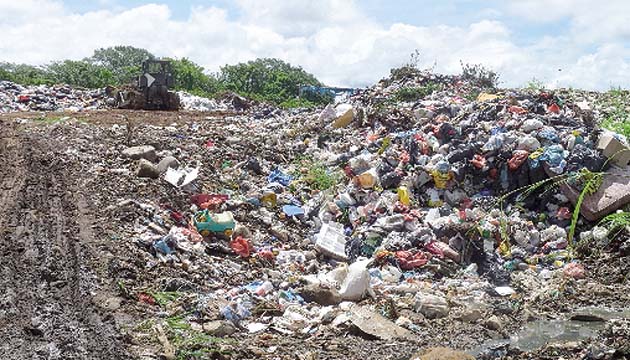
{"type": "Point", "coordinates": [151, 92]}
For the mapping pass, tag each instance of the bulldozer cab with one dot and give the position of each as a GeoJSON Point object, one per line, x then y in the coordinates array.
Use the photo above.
{"type": "Point", "coordinates": [156, 73]}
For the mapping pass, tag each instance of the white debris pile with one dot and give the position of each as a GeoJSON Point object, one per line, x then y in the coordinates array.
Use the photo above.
{"type": "Point", "coordinates": [198, 103]}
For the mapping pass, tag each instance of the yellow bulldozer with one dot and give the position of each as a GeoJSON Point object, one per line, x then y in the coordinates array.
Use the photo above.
{"type": "Point", "coordinates": [151, 92]}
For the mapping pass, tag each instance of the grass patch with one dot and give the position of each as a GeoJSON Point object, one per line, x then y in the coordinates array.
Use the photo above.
{"type": "Point", "coordinates": [178, 323]}
{"type": "Point", "coordinates": [190, 343]}
{"type": "Point", "coordinates": [51, 120]}
{"type": "Point", "coordinates": [163, 298]}
{"type": "Point", "coordinates": [316, 174]}
{"type": "Point", "coordinates": [410, 94]}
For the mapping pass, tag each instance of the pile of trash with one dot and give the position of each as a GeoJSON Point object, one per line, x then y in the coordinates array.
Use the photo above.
{"type": "Point", "coordinates": [382, 214]}
{"type": "Point", "coordinates": [14, 97]}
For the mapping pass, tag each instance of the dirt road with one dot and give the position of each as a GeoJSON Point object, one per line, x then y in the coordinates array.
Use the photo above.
{"type": "Point", "coordinates": [45, 254]}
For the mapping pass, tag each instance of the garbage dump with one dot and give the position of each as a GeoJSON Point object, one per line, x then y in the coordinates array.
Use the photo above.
{"type": "Point", "coordinates": [386, 226]}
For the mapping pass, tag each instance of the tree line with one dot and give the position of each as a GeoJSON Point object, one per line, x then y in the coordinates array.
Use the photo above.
{"type": "Point", "coordinates": [269, 80]}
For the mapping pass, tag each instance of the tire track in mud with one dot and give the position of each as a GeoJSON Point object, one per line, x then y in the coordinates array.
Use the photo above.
{"type": "Point", "coordinates": [45, 306]}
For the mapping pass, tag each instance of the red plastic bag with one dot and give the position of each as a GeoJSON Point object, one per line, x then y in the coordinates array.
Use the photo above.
{"type": "Point", "coordinates": [442, 250]}
{"type": "Point", "coordinates": [517, 110]}
{"type": "Point", "coordinates": [208, 201]}
{"type": "Point", "coordinates": [241, 247]}
{"type": "Point", "coordinates": [146, 298]}
{"type": "Point", "coordinates": [408, 260]}
{"type": "Point", "coordinates": [554, 108]}
{"type": "Point", "coordinates": [518, 158]}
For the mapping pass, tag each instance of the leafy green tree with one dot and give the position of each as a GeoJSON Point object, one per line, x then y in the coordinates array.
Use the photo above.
{"type": "Point", "coordinates": [191, 77]}
{"type": "Point", "coordinates": [5, 74]}
{"type": "Point", "coordinates": [266, 79]}
{"type": "Point", "coordinates": [124, 62]}
{"type": "Point", "coordinates": [25, 74]}
{"type": "Point", "coordinates": [81, 73]}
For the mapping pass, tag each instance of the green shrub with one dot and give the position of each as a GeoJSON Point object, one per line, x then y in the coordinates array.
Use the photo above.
{"type": "Point", "coordinates": [480, 76]}
{"type": "Point", "coordinates": [409, 94]}
{"type": "Point", "coordinates": [618, 118]}
{"type": "Point", "coordinates": [297, 103]}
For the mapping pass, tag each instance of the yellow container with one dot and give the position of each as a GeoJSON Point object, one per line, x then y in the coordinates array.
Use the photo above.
{"type": "Point", "coordinates": [403, 195]}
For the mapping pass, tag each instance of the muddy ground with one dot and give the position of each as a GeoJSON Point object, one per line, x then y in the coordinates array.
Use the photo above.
{"type": "Point", "coordinates": [68, 277]}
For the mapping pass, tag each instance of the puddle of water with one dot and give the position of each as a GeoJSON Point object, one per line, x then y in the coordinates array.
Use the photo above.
{"type": "Point", "coordinates": [539, 333]}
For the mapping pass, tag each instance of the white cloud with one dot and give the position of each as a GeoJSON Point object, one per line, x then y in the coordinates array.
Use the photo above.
{"type": "Point", "coordinates": [333, 39]}
{"type": "Point", "coordinates": [589, 21]}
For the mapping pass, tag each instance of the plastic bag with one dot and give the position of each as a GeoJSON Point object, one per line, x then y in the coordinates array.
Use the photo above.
{"type": "Point", "coordinates": [357, 282]}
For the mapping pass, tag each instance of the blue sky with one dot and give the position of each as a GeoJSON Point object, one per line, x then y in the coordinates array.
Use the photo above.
{"type": "Point", "coordinates": [343, 42]}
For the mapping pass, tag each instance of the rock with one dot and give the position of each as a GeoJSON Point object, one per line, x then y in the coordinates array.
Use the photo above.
{"type": "Point", "coordinates": [280, 233]}
{"type": "Point", "coordinates": [613, 193]}
{"type": "Point", "coordinates": [148, 170]}
{"type": "Point", "coordinates": [471, 315]}
{"type": "Point", "coordinates": [166, 163]}
{"type": "Point", "coordinates": [243, 231]}
{"type": "Point", "coordinates": [441, 353]}
{"type": "Point", "coordinates": [113, 303]}
{"type": "Point", "coordinates": [140, 152]}
{"type": "Point", "coordinates": [219, 328]}
{"type": "Point", "coordinates": [327, 115]}
{"type": "Point", "coordinates": [376, 325]}
{"type": "Point", "coordinates": [493, 323]}
{"type": "Point", "coordinates": [321, 294]}
{"type": "Point", "coordinates": [344, 114]}
{"type": "Point", "coordinates": [614, 149]}
{"type": "Point", "coordinates": [431, 306]}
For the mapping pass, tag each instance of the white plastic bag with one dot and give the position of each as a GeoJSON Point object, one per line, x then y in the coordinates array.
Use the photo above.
{"type": "Point", "coordinates": [357, 282]}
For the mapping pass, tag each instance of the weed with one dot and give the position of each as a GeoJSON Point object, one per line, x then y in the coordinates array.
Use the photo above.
{"type": "Point", "coordinates": [409, 70]}
{"type": "Point", "coordinates": [616, 222]}
{"type": "Point", "coordinates": [165, 297]}
{"type": "Point", "coordinates": [590, 183]}
{"type": "Point", "coordinates": [317, 175]}
{"type": "Point", "coordinates": [535, 85]}
{"type": "Point", "coordinates": [593, 180]}
{"type": "Point", "coordinates": [618, 116]}
{"type": "Point", "coordinates": [190, 343]}
{"type": "Point", "coordinates": [178, 323]}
